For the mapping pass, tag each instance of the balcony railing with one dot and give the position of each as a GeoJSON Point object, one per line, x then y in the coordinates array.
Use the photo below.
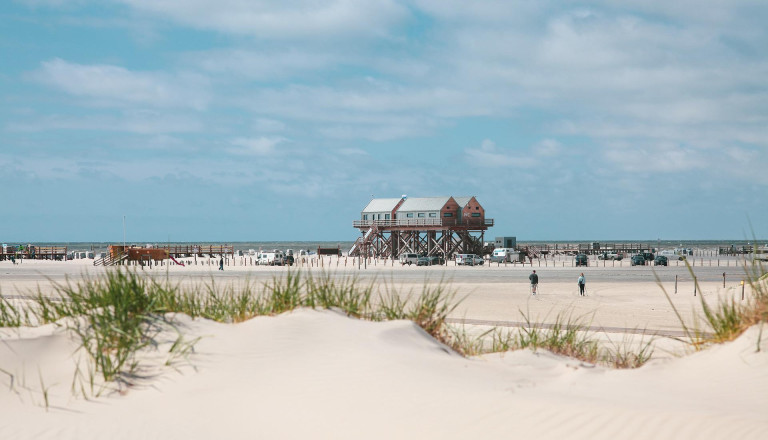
{"type": "Point", "coordinates": [422, 222]}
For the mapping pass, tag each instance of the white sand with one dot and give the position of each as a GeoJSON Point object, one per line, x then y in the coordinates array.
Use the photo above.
{"type": "Point", "coordinates": [318, 374]}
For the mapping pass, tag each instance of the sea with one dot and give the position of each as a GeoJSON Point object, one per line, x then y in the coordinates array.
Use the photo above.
{"type": "Point", "coordinates": [346, 245]}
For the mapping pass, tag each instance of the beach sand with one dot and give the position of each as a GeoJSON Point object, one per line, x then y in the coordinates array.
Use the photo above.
{"type": "Point", "coordinates": [319, 374]}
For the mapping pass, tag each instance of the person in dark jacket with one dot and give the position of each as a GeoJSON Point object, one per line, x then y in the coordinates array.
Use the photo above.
{"type": "Point", "coordinates": [534, 282]}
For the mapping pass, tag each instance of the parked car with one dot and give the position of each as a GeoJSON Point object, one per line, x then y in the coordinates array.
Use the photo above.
{"type": "Point", "coordinates": [660, 260]}
{"type": "Point", "coordinates": [409, 259]}
{"type": "Point", "coordinates": [468, 260]}
{"type": "Point", "coordinates": [582, 260]}
{"type": "Point", "coordinates": [638, 260]}
{"type": "Point", "coordinates": [610, 256]}
{"type": "Point", "coordinates": [434, 260]}
{"type": "Point", "coordinates": [648, 256]}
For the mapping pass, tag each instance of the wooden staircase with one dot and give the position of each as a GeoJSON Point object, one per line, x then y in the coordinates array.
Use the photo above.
{"type": "Point", "coordinates": [364, 240]}
{"type": "Point", "coordinates": [533, 252]}
{"type": "Point", "coordinates": [108, 260]}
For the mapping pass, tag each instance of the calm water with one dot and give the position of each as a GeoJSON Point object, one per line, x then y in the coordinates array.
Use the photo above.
{"type": "Point", "coordinates": [239, 245]}
{"type": "Point", "coordinates": [345, 245]}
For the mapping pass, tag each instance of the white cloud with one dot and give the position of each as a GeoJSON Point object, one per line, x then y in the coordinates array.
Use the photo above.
{"type": "Point", "coordinates": [268, 125]}
{"type": "Point", "coordinates": [362, 104]}
{"type": "Point", "coordinates": [267, 64]}
{"type": "Point", "coordinates": [297, 19]}
{"type": "Point", "coordinates": [142, 122]}
{"type": "Point", "coordinates": [548, 148]}
{"type": "Point", "coordinates": [488, 155]}
{"type": "Point", "coordinates": [674, 82]}
{"type": "Point", "coordinates": [51, 3]}
{"type": "Point", "coordinates": [662, 157]}
{"type": "Point", "coordinates": [110, 84]}
{"type": "Point", "coordinates": [261, 146]}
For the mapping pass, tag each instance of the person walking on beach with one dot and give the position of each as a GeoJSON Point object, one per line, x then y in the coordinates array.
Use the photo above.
{"type": "Point", "coordinates": [582, 282]}
{"type": "Point", "coordinates": [221, 263]}
{"type": "Point", "coordinates": [534, 282]}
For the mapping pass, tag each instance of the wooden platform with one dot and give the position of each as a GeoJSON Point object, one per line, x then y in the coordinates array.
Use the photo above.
{"type": "Point", "coordinates": [32, 252]}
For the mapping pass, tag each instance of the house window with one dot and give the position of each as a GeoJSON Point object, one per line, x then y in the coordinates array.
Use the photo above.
{"type": "Point", "coordinates": [421, 215]}
{"type": "Point", "coordinates": [386, 216]}
{"type": "Point", "coordinates": [475, 214]}
{"type": "Point", "coordinates": [365, 216]}
{"type": "Point", "coordinates": [433, 214]}
{"type": "Point", "coordinates": [448, 214]}
{"type": "Point", "coordinates": [409, 215]}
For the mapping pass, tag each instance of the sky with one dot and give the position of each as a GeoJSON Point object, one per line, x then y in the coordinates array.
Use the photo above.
{"type": "Point", "coordinates": [250, 120]}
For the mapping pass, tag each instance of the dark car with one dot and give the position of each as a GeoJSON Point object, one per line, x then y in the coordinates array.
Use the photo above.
{"type": "Point", "coordinates": [437, 260]}
{"type": "Point", "coordinates": [434, 260]}
{"type": "Point", "coordinates": [660, 260]}
{"type": "Point", "coordinates": [638, 260]}
{"type": "Point", "coordinates": [582, 260]}
{"type": "Point", "coordinates": [648, 256]}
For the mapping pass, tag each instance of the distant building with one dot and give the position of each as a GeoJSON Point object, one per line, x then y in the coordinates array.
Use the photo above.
{"type": "Point", "coordinates": [505, 242]}
{"type": "Point", "coordinates": [425, 225]}
{"type": "Point", "coordinates": [380, 209]}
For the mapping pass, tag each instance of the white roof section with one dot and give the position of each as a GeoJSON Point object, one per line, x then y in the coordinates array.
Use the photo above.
{"type": "Point", "coordinates": [422, 204]}
{"type": "Point", "coordinates": [381, 205]}
{"type": "Point", "coordinates": [462, 201]}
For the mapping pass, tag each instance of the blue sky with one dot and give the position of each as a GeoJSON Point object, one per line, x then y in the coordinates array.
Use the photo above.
{"type": "Point", "coordinates": [234, 120]}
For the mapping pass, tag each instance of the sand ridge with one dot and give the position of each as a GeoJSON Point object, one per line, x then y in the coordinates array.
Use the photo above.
{"type": "Point", "coordinates": [320, 374]}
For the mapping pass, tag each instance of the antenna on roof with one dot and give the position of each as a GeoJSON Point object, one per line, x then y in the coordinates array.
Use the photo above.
{"type": "Point", "coordinates": [405, 196]}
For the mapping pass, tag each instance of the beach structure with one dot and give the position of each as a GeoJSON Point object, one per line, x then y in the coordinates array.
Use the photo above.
{"type": "Point", "coordinates": [542, 250]}
{"type": "Point", "coordinates": [119, 254]}
{"type": "Point", "coordinates": [441, 226]}
{"type": "Point", "coordinates": [33, 252]}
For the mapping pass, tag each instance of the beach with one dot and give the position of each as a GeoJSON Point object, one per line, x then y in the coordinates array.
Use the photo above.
{"type": "Point", "coordinates": [320, 374]}
{"type": "Point", "coordinates": [618, 295]}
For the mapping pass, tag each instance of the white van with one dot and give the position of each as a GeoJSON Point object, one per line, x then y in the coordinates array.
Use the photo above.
{"type": "Point", "coordinates": [505, 255]}
{"type": "Point", "coordinates": [270, 259]}
{"type": "Point", "coordinates": [409, 259]}
{"type": "Point", "coordinates": [672, 255]}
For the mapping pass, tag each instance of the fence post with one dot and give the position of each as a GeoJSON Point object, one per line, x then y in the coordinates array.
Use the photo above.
{"type": "Point", "coordinates": [723, 279]}
{"type": "Point", "coordinates": [694, 286]}
{"type": "Point", "coordinates": [675, 283]}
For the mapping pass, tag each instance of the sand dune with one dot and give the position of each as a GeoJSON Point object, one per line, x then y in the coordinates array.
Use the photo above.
{"type": "Point", "coordinates": [319, 374]}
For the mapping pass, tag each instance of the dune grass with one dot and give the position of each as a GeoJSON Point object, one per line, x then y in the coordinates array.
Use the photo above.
{"type": "Point", "coordinates": [728, 318]}
{"type": "Point", "coordinates": [122, 312]}
{"type": "Point", "coordinates": [567, 336]}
